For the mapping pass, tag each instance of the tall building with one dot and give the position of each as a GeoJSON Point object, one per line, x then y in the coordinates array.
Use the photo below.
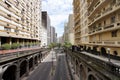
{"type": "Point", "coordinates": [52, 35]}
{"type": "Point", "coordinates": [66, 32]}
{"type": "Point", "coordinates": [20, 21]}
{"type": "Point", "coordinates": [46, 22]}
{"type": "Point", "coordinates": [55, 40]}
{"type": "Point", "coordinates": [99, 25]}
{"type": "Point", "coordinates": [77, 32]}
{"type": "Point", "coordinates": [70, 29]}
{"type": "Point", "coordinates": [44, 30]}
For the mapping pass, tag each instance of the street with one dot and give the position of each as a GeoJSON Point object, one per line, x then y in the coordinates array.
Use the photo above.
{"type": "Point", "coordinates": [53, 67]}
{"type": "Point", "coordinates": [61, 72]}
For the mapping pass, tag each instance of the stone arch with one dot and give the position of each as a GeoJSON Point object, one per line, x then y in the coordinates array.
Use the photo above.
{"type": "Point", "coordinates": [84, 48]}
{"type": "Point", "coordinates": [10, 73]}
{"type": "Point", "coordinates": [77, 66]}
{"type": "Point", "coordinates": [23, 67]}
{"type": "Point", "coordinates": [91, 77]}
{"type": "Point", "coordinates": [39, 57]}
{"type": "Point", "coordinates": [94, 51]}
{"type": "Point", "coordinates": [30, 63]}
{"type": "Point", "coordinates": [36, 60]}
{"type": "Point", "coordinates": [115, 53]}
{"type": "Point", "coordinates": [83, 73]}
{"type": "Point", "coordinates": [103, 51]}
{"type": "Point", "coordinates": [89, 49]}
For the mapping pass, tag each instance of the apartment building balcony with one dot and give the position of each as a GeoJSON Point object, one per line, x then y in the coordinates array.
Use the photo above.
{"type": "Point", "coordinates": [4, 22]}
{"type": "Point", "coordinates": [107, 43]}
{"type": "Point", "coordinates": [10, 8]}
{"type": "Point", "coordinates": [109, 27]}
{"type": "Point", "coordinates": [77, 27]}
{"type": "Point", "coordinates": [77, 16]}
{"type": "Point", "coordinates": [9, 15]}
{"type": "Point", "coordinates": [77, 32]}
{"type": "Point", "coordinates": [91, 3]}
{"type": "Point", "coordinates": [14, 3]}
{"type": "Point", "coordinates": [98, 6]}
{"type": "Point", "coordinates": [104, 13]}
{"type": "Point", "coordinates": [77, 37]}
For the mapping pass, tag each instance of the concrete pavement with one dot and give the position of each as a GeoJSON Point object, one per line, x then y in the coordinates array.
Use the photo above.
{"type": "Point", "coordinates": [43, 71]}
{"type": "Point", "coordinates": [53, 67]}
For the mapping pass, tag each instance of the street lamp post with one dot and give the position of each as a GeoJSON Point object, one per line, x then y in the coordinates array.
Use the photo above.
{"type": "Point", "coordinates": [108, 49]}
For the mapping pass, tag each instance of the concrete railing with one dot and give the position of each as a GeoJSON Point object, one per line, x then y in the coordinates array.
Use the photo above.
{"type": "Point", "coordinates": [105, 68]}
{"type": "Point", "coordinates": [20, 53]}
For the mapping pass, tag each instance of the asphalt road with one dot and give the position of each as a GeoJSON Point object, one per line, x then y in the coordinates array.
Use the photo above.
{"type": "Point", "coordinates": [45, 69]}
{"type": "Point", "coordinates": [42, 72]}
{"type": "Point", "coordinates": [61, 72]}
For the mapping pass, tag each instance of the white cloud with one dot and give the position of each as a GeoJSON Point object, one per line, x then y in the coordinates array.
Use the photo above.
{"type": "Point", "coordinates": [58, 11]}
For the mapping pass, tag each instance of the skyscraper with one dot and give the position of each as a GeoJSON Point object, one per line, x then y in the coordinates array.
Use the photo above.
{"type": "Point", "coordinates": [46, 24]}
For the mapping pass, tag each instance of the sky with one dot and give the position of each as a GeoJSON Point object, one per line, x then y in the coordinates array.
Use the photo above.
{"type": "Point", "coordinates": [58, 10]}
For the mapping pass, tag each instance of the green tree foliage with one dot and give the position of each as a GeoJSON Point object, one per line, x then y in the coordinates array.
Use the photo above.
{"type": "Point", "coordinates": [15, 45]}
{"type": "Point", "coordinates": [52, 45]}
{"type": "Point", "coordinates": [6, 46]}
{"type": "Point", "coordinates": [67, 44]}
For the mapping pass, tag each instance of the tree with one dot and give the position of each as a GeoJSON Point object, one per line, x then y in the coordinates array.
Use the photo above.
{"type": "Point", "coordinates": [67, 44]}
{"type": "Point", "coordinates": [52, 45]}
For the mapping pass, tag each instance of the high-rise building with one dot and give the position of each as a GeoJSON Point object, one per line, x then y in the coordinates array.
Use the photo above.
{"type": "Point", "coordinates": [70, 29]}
{"type": "Point", "coordinates": [52, 34]}
{"type": "Point", "coordinates": [20, 21]}
{"type": "Point", "coordinates": [99, 25]}
{"type": "Point", "coordinates": [66, 32]}
{"type": "Point", "coordinates": [46, 23]}
{"type": "Point", "coordinates": [55, 40]}
{"type": "Point", "coordinates": [77, 32]}
{"type": "Point", "coordinates": [44, 30]}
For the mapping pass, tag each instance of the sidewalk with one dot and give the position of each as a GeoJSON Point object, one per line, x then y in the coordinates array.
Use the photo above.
{"type": "Point", "coordinates": [50, 57]}
{"type": "Point", "coordinates": [116, 62]}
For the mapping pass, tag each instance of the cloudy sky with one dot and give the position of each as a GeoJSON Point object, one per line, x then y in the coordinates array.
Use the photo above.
{"type": "Point", "coordinates": [58, 11]}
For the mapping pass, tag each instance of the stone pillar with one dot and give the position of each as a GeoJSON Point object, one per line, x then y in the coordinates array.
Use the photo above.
{"type": "Point", "coordinates": [10, 40]}
{"type": "Point", "coordinates": [37, 61]}
{"type": "Point", "coordinates": [18, 72]}
{"type": "Point", "coordinates": [1, 74]}
{"type": "Point", "coordinates": [17, 40]}
{"type": "Point", "coordinates": [27, 68]}
{"type": "Point", "coordinates": [33, 62]}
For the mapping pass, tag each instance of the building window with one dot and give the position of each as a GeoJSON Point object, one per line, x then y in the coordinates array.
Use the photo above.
{"type": "Point", "coordinates": [113, 19]}
{"type": "Point", "coordinates": [115, 53]}
{"type": "Point", "coordinates": [17, 31]}
{"type": "Point", "coordinates": [7, 29]}
{"type": "Point", "coordinates": [99, 25]}
{"type": "Point", "coordinates": [8, 15]}
{"type": "Point", "coordinates": [104, 23]}
{"type": "Point", "coordinates": [114, 33]}
{"type": "Point", "coordinates": [22, 11]}
{"type": "Point", "coordinates": [8, 4]}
